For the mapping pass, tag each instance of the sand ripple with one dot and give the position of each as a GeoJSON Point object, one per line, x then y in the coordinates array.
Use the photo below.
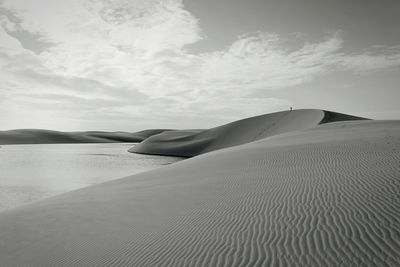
{"type": "Point", "coordinates": [323, 197]}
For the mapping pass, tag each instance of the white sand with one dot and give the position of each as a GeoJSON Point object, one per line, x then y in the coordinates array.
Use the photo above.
{"type": "Point", "coordinates": [328, 196]}
{"type": "Point", "coordinates": [189, 143]}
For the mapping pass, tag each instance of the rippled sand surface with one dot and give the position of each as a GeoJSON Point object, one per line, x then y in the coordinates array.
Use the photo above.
{"type": "Point", "coordinates": [328, 196]}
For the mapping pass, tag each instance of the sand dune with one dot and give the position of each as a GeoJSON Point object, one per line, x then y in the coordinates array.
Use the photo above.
{"type": "Point", "coordinates": [326, 196]}
{"type": "Point", "coordinates": [37, 136]}
{"type": "Point", "coordinates": [189, 143]}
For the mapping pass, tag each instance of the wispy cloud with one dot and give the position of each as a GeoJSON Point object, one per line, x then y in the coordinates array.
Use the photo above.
{"type": "Point", "coordinates": [129, 56]}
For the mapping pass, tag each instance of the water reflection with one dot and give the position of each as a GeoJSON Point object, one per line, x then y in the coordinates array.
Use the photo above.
{"type": "Point", "coordinates": [32, 172]}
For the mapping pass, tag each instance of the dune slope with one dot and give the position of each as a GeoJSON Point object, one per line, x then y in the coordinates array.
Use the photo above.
{"type": "Point", "coordinates": [37, 136]}
{"type": "Point", "coordinates": [189, 143]}
{"type": "Point", "coordinates": [327, 196]}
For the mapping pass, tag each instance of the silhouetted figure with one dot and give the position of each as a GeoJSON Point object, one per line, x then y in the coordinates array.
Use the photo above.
{"type": "Point", "coordinates": [291, 108]}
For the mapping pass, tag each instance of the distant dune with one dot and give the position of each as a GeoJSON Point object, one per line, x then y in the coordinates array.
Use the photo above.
{"type": "Point", "coordinates": [304, 195]}
{"type": "Point", "coordinates": [189, 143]}
{"type": "Point", "coordinates": [35, 136]}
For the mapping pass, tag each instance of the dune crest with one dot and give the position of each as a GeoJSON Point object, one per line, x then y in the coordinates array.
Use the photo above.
{"type": "Point", "coordinates": [189, 143]}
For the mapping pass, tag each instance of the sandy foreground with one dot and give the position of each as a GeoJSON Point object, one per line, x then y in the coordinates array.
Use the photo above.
{"type": "Point", "coordinates": [328, 195]}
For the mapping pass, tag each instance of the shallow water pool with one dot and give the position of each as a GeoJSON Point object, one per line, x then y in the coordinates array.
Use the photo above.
{"type": "Point", "coordinates": [33, 172]}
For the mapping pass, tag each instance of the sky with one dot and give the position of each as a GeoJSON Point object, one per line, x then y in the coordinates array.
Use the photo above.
{"type": "Point", "coordinates": [128, 65]}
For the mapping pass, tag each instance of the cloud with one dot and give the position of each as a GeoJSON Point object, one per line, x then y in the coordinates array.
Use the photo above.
{"type": "Point", "coordinates": [261, 61]}
{"type": "Point", "coordinates": [129, 57]}
{"type": "Point", "coordinates": [366, 63]}
{"type": "Point", "coordinates": [11, 24]}
{"type": "Point", "coordinates": [8, 44]}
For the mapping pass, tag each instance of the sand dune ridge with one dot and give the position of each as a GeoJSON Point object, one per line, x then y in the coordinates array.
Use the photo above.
{"type": "Point", "coordinates": [189, 143]}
